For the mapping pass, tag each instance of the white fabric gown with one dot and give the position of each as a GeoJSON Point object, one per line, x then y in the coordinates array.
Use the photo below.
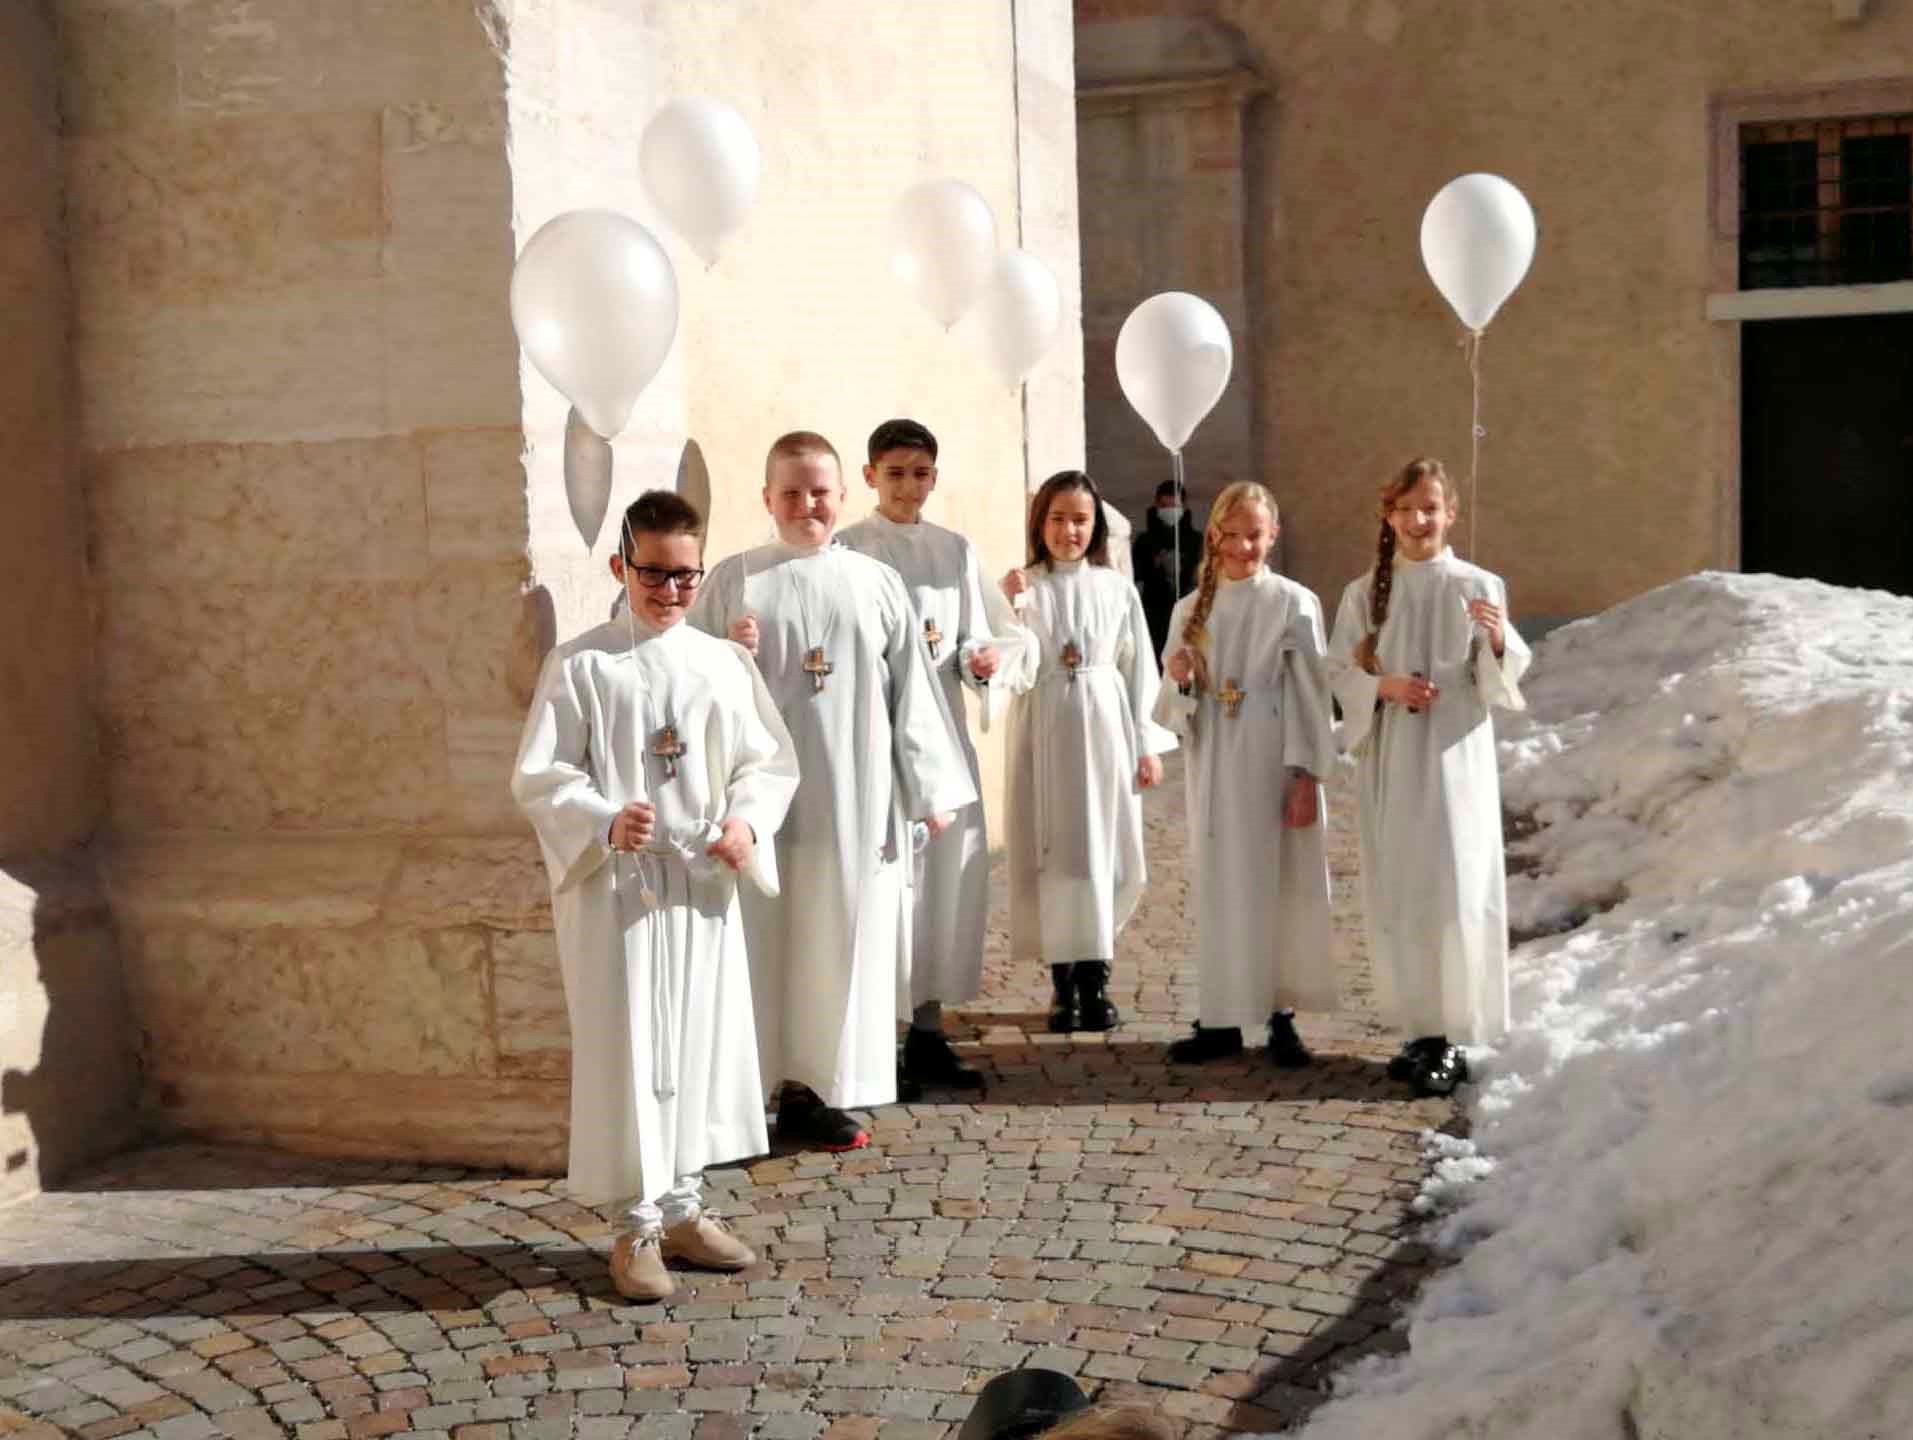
{"type": "Point", "coordinates": [1259, 891]}
{"type": "Point", "coordinates": [1075, 814]}
{"type": "Point", "coordinates": [876, 750]}
{"type": "Point", "coordinates": [664, 1073]}
{"type": "Point", "coordinates": [1434, 886]}
{"type": "Point", "coordinates": [952, 880]}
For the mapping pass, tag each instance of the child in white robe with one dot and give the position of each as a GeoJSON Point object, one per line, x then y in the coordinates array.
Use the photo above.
{"type": "Point", "coordinates": [842, 653]}
{"type": "Point", "coordinates": [1082, 748]}
{"type": "Point", "coordinates": [1250, 703]}
{"type": "Point", "coordinates": [655, 770]}
{"type": "Point", "coordinates": [951, 894]}
{"type": "Point", "coordinates": [1422, 651]}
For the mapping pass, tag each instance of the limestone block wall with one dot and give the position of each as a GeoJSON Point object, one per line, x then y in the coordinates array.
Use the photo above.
{"type": "Point", "coordinates": [290, 235]}
{"type": "Point", "coordinates": [67, 1070]}
{"type": "Point", "coordinates": [1611, 401]}
{"type": "Point", "coordinates": [325, 497]}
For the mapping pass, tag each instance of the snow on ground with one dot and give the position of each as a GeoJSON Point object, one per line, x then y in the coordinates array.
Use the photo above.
{"type": "Point", "coordinates": [1691, 1210]}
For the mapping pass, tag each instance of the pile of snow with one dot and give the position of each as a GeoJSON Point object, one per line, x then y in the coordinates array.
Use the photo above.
{"type": "Point", "coordinates": [1691, 1213]}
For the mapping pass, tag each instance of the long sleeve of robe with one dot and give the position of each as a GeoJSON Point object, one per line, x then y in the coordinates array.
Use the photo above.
{"type": "Point", "coordinates": [829, 954]}
{"type": "Point", "coordinates": [950, 889]}
{"type": "Point", "coordinates": [1259, 892]}
{"type": "Point", "coordinates": [1075, 814]}
{"type": "Point", "coordinates": [1434, 882]}
{"type": "Point", "coordinates": [665, 1076]}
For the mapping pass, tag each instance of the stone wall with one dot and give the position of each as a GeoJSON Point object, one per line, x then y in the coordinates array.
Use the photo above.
{"type": "Point", "coordinates": [290, 228]}
{"type": "Point", "coordinates": [1610, 400]}
{"type": "Point", "coordinates": [67, 1066]}
{"type": "Point", "coordinates": [308, 432]}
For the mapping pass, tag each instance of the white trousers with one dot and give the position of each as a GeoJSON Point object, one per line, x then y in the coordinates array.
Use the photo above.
{"type": "Point", "coordinates": [683, 1201]}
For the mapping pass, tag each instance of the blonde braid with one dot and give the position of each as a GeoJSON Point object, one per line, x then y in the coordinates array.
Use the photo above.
{"type": "Point", "coordinates": [1195, 633]}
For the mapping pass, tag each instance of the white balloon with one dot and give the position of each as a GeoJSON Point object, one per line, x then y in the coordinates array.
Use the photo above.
{"type": "Point", "coordinates": [595, 303]}
{"type": "Point", "coordinates": [1173, 357]}
{"type": "Point", "coordinates": [700, 165]}
{"type": "Point", "coordinates": [1019, 314]}
{"type": "Point", "coordinates": [587, 477]}
{"type": "Point", "coordinates": [943, 246]}
{"type": "Point", "coordinates": [1477, 240]}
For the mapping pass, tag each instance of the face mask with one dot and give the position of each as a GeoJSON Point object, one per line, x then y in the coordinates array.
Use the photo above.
{"type": "Point", "coordinates": [1170, 513]}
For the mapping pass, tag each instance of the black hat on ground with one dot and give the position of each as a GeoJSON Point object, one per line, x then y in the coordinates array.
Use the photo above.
{"type": "Point", "coordinates": [1020, 1403]}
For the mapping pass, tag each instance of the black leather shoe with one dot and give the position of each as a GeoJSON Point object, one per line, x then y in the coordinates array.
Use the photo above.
{"type": "Point", "coordinates": [1210, 1042]}
{"type": "Point", "coordinates": [1062, 1007]}
{"type": "Point", "coordinates": [803, 1119]}
{"type": "Point", "coordinates": [1440, 1071]}
{"type": "Point", "coordinates": [1409, 1057]}
{"type": "Point", "coordinates": [1286, 1050]}
{"type": "Point", "coordinates": [1093, 1008]}
{"type": "Point", "coordinates": [929, 1060]}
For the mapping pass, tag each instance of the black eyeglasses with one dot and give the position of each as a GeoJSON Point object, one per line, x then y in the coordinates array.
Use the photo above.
{"type": "Point", "coordinates": [656, 577]}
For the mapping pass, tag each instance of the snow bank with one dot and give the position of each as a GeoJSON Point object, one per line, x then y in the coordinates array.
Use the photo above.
{"type": "Point", "coordinates": [1692, 1211]}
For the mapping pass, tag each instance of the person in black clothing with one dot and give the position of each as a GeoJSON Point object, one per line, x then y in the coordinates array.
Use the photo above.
{"type": "Point", "coordinates": [1154, 555]}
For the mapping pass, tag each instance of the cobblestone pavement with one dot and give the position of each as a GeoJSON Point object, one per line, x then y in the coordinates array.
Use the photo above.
{"type": "Point", "coordinates": [1217, 1241]}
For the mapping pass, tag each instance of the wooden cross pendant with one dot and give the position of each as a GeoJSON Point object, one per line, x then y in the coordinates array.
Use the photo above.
{"type": "Point", "coordinates": [817, 667]}
{"type": "Point", "coordinates": [668, 748]}
{"type": "Point", "coordinates": [1072, 660]}
{"type": "Point", "coordinates": [932, 637]}
{"type": "Point", "coordinates": [1230, 697]}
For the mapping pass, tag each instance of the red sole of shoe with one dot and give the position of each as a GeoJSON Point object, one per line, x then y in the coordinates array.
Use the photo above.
{"type": "Point", "coordinates": [863, 1139]}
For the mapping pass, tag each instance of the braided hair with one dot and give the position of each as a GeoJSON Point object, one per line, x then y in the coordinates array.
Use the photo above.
{"type": "Point", "coordinates": [1195, 631]}
{"type": "Point", "coordinates": [1406, 479]}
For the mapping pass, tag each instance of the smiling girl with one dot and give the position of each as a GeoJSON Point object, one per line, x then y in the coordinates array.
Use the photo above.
{"type": "Point", "coordinates": [1250, 702]}
{"type": "Point", "coordinates": [1082, 747]}
{"type": "Point", "coordinates": [1422, 650]}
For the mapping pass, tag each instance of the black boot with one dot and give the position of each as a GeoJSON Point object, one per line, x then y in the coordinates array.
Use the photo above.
{"type": "Point", "coordinates": [1093, 1008]}
{"type": "Point", "coordinates": [1440, 1071]}
{"type": "Point", "coordinates": [1062, 1005]}
{"type": "Point", "coordinates": [1210, 1042]}
{"type": "Point", "coordinates": [1286, 1050]}
{"type": "Point", "coordinates": [929, 1060]}
{"type": "Point", "coordinates": [1409, 1057]}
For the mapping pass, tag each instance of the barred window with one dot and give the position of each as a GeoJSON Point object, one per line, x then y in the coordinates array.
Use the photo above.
{"type": "Point", "coordinates": [1826, 202]}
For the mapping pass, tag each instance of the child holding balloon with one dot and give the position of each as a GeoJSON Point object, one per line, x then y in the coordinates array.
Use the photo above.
{"type": "Point", "coordinates": [1082, 747]}
{"type": "Point", "coordinates": [1422, 651]}
{"type": "Point", "coordinates": [1250, 701]}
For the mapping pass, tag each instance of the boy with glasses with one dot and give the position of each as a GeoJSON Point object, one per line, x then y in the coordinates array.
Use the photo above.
{"type": "Point", "coordinates": [656, 770]}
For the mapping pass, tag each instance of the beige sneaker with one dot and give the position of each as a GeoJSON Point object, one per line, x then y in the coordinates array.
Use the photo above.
{"type": "Point", "coordinates": [637, 1268]}
{"type": "Point", "coordinates": [707, 1243]}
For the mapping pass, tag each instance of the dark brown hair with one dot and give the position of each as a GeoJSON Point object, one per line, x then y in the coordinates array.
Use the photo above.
{"type": "Point", "coordinates": [901, 435]}
{"type": "Point", "coordinates": [1062, 480]}
{"type": "Point", "coordinates": [1406, 479]}
{"type": "Point", "coordinates": [659, 512]}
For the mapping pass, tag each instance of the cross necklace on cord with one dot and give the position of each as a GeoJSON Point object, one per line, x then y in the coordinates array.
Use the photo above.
{"type": "Point", "coordinates": [815, 665]}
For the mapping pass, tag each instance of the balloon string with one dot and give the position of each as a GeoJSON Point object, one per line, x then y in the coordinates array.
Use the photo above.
{"type": "Point", "coordinates": [1475, 432]}
{"type": "Point", "coordinates": [1175, 469]}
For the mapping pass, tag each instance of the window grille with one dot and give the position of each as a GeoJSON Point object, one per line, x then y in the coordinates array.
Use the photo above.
{"type": "Point", "coordinates": [1826, 202]}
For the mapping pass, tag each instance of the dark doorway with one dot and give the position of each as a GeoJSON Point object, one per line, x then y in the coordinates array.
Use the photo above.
{"type": "Point", "coordinates": [1827, 449]}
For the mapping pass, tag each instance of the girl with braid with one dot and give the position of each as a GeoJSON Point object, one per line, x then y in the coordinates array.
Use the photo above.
{"type": "Point", "coordinates": [1250, 701]}
{"type": "Point", "coordinates": [1422, 650]}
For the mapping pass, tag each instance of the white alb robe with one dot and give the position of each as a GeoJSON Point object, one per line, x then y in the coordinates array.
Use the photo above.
{"type": "Point", "coordinates": [876, 749]}
{"type": "Point", "coordinates": [1075, 814]}
{"type": "Point", "coordinates": [1434, 886]}
{"type": "Point", "coordinates": [952, 880]}
{"type": "Point", "coordinates": [664, 1073]}
{"type": "Point", "coordinates": [1259, 891]}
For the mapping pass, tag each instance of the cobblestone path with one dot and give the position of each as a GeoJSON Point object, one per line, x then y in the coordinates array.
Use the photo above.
{"type": "Point", "coordinates": [1217, 1241]}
